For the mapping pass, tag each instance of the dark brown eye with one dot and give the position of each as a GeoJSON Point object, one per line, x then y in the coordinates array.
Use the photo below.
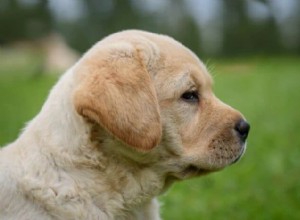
{"type": "Point", "coordinates": [190, 96]}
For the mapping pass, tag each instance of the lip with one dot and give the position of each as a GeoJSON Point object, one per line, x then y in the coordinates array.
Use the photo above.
{"type": "Point", "coordinates": [191, 171]}
{"type": "Point", "coordinates": [241, 154]}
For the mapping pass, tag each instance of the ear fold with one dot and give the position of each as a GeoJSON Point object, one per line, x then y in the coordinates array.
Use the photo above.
{"type": "Point", "coordinates": [116, 92]}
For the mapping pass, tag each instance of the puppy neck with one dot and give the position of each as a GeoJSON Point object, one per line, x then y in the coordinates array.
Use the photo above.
{"type": "Point", "coordinates": [58, 124]}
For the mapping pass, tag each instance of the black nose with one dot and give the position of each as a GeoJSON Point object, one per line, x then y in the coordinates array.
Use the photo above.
{"type": "Point", "coordinates": [242, 127]}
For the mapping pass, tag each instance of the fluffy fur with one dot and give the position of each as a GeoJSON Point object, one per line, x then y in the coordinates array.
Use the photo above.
{"type": "Point", "coordinates": [115, 132]}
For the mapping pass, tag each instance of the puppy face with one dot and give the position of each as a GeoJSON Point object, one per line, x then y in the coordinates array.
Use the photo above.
{"type": "Point", "coordinates": [155, 96]}
{"type": "Point", "coordinates": [208, 129]}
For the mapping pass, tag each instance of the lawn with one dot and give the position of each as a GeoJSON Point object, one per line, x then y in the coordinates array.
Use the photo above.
{"type": "Point", "coordinates": [265, 184]}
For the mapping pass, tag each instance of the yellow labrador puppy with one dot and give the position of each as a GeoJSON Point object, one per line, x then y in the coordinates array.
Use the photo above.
{"type": "Point", "coordinates": [135, 114]}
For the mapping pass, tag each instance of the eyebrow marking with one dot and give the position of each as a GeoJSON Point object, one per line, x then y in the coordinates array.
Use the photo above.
{"type": "Point", "coordinates": [179, 81]}
{"type": "Point", "coordinates": [203, 80]}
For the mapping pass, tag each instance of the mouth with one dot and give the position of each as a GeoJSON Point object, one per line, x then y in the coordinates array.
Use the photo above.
{"type": "Point", "coordinates": [192, 171]}
{"type": "Point", "coordinates": [188, 171]}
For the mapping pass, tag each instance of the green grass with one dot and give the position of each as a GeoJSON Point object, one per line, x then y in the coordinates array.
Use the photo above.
{"type": "Point", "coordinates": [265, 184]}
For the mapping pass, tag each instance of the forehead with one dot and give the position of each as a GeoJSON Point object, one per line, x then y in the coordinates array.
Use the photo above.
{"type": "Point", "coordinates": [180, 67]}
{"type": "Point", "coordinates": [180, 58]}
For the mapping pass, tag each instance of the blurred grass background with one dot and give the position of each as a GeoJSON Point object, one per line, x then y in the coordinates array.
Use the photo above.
{"type": "Point", "coordinates": [252, 49]}
{"type": "Point", "coordinates": [263, 185]}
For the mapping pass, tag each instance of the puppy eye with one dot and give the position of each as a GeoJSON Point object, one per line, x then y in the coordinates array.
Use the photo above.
{"type": "Point", "coordinates": [190, 96]}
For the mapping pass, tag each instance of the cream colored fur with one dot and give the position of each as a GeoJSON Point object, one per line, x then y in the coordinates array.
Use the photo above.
{"type": "Point", "coordinates": [115, 133]}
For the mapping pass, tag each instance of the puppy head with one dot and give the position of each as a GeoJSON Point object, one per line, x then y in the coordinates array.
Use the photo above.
{"type": "Point", "coordinates": [150, 91]}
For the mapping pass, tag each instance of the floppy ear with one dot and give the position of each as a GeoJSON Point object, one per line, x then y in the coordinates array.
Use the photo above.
{"type": "Point", "coordinates": [116, 91]}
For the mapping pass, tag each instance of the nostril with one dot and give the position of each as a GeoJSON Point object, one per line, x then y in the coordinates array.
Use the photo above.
{"type": "Point", "coordinates": [242, 127]}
